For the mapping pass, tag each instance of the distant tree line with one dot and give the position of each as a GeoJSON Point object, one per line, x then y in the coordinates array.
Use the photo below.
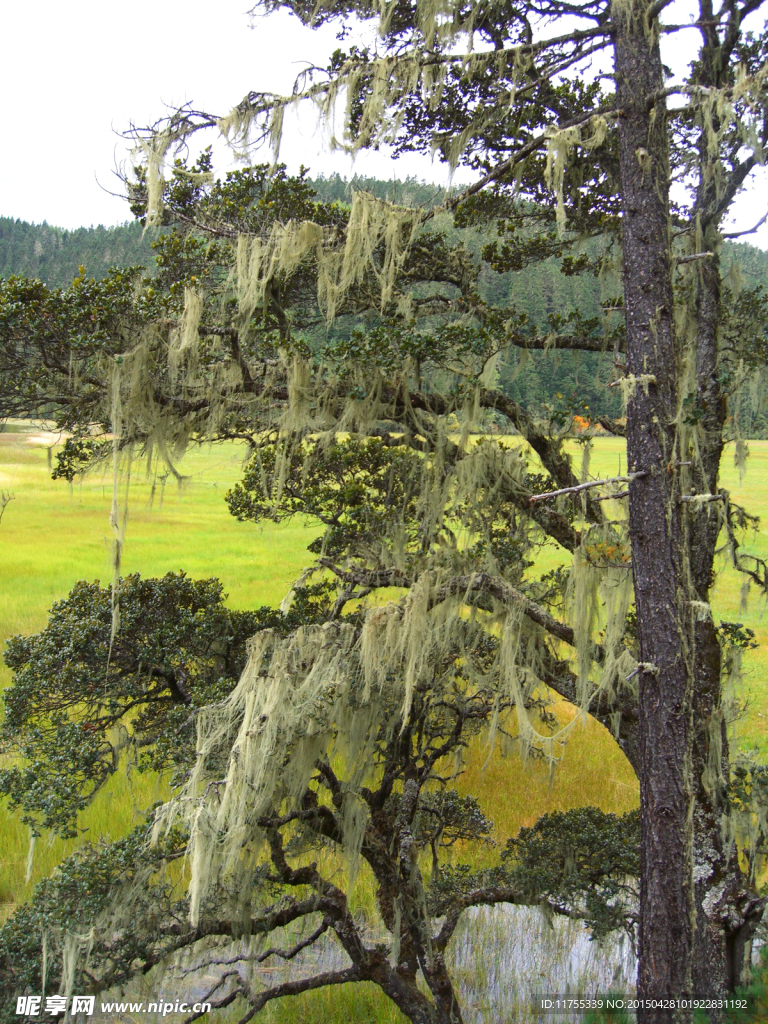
{"type": "Point", "coordinates": [554, 384]}
{"type": "Point", "coordinates": [54, 255]}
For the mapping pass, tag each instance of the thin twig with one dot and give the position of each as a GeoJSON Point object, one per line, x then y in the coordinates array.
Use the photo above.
{"type": "Point", "coordinates": [607, 497]}
{"type": "Point", "coordinates": [585, 486]}
{"type": "Point", "coordinates": [695, 256]}
{"type": "Point", "coordinates": [749, 231]}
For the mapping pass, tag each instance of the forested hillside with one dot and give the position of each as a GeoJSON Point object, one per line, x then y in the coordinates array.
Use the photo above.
{"type": "Point", "coordinates": [53, 254]}
{"type": "Point", "coordinates": [555, 384]}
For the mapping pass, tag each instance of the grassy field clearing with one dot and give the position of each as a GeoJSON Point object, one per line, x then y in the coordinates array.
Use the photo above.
{"type": "Point", "coordinates": [752, 492]}
{"type": "Point", "coordinates": [52, 535]}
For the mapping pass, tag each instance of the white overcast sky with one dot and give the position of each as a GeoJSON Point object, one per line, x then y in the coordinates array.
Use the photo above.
{"type": "Point", "coordinates": [75, 74]}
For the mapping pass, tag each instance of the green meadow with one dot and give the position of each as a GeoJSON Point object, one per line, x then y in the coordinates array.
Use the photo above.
{"type": "Point", "coordinates": [53, 534]}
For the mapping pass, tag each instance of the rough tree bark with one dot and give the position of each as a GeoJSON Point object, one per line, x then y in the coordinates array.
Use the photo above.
{"type": "Point", "coordinates": [727, 910]}
{"type": "Point", "coordinates": [667, 917]}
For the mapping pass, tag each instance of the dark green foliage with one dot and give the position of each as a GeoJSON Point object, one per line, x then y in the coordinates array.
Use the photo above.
{"type": "Point", "coordinates": [76, 454]}
{"type": "Point", "coordinates": [354, 487]}
{"type": "Point", "coordinates": [44, 330]}
{"type": "Point", "coordinates": [583, 861]}
{"type": "Point", "coordinates": [79, 701]}
{"type": "Point", "coordinates": [82, 887]}
{"type": "Point", "coordinates": [244, 200]}
{"type": "Point", "coordinates": [391, 344]}
{"type": "Point", "coordinates": [445, 818]}
{"type": "Point", "coordinates": [736, 634]}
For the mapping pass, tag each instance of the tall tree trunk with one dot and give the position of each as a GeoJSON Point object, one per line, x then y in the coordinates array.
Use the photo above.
{"type": "Point", "coordinates": [714, 872]}
{"type": "Point", "coordinates": [727, 910]}
{"type": "Point", "coordinates": [667, 913]}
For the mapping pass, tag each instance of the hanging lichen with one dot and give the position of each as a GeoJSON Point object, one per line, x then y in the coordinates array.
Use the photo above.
{"type": "Point", "coordinates": [184, 341]}
{"type": "Point", "coordinates": [561, 143]}
{"type": "Point", "coordinates": [377, 240]}
{"type": "Point", "coordinates": [154, 151]}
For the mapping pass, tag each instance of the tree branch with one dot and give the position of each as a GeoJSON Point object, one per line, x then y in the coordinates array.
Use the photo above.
{"type": "Point", "coordinates": [477, 583]}
{"type": "Point", "coordinates": [587, 485]}
{"type": "Point", "coordinates": [749, 231]}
